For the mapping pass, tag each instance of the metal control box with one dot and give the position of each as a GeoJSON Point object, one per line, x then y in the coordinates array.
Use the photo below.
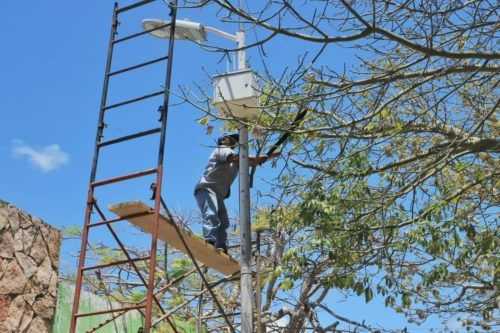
{"type": "Point", "coordinates": [235, 94]}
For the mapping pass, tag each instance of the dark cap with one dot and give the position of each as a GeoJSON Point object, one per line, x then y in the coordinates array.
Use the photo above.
{"type": "Point", "coordinates": [234, 136]}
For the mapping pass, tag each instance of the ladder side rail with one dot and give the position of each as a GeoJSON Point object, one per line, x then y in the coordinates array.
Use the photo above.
{"type": "Point", "coordinates": [90, 196]}
{"type": "Point", "coordinates": [159, 176]}
{"type": "Point", "coordinates": [81, 262]}
{"type": "Point", "coordinates": [104, 96]}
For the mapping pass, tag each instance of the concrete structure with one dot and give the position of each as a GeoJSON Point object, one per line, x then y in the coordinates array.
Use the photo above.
{"type": "Point", "coordinates": [29, 265]}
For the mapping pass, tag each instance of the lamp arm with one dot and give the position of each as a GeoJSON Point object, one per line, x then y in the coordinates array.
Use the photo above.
{"type": "Point", "coordinates": [222, 33]}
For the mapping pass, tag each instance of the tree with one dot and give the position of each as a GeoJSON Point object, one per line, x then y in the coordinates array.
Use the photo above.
{"type": "Point", "coordinates": [390, 184]}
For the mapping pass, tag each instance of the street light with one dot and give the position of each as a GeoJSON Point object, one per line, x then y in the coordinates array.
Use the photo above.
{"type": "Point", "coordinates": [183, 29]}
{"type": "Point", "coordinates": [187, 30]}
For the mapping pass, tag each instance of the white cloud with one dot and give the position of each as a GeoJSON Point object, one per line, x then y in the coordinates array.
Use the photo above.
{"type": "Point", "coordinates": [46, 158]}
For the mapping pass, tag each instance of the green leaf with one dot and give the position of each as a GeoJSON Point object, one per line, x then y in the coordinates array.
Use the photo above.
{"type": "Point", "coordinates": [368, 294]}
{"type": "Point", "coordinates": [359, 288]}
{"type": "Point", "coordinates": [204, 121]}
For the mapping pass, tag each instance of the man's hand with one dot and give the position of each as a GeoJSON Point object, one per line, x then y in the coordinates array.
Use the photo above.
{"type": "Point", "coordinates": [275, 154]}
{"type": "Point", "coordinates": [262, 158]}
{"type": "Point", "coordinates": [232, 158]}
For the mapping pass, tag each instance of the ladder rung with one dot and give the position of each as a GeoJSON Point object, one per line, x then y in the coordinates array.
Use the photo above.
{"type": "Point", "coordinates": [126, 308]}
{"type": "Point", "coordinates": [125, 177]}
{"type": "Point", "coordinates": [134, 5]}
{"type": "Point", "coordinates": [118, 219]}
{"type": "Point", "coordinates": [138, 66]}
{"type": "Point", "coordinates": [112, 106]}
{"type": "Point", "coordinates": [115, 263]}
{"type": "Point", "coordinates": [119, 40]}
{"type": "Point", "coordinates": [129, 137]}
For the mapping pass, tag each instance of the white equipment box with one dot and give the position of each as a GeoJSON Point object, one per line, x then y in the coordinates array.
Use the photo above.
{"type": "Point", "coordinates": [235, 94]}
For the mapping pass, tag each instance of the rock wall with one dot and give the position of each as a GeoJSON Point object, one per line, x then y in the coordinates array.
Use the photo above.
{"type": "Point", "coordinates": [29, 265]}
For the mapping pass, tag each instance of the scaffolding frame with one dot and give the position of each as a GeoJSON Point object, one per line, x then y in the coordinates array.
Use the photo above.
{"type": "Point", "coordinates": [144, 306]}
{"type": "Point", "coordinates": [91, 200]}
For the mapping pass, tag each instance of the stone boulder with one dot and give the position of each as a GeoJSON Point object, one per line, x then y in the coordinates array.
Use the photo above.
{"type": "Point", "coordinates": [14, 280]}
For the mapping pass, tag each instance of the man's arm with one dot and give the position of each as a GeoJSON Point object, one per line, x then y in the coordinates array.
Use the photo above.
{"type": "Point", "coordinates": [253, 161]}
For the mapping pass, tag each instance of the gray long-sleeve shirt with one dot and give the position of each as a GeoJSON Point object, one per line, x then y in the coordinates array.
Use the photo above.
{"type": "Point", "coordinates": [219, 174]}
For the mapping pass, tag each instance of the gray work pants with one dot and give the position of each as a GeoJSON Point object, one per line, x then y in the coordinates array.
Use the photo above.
{"type": "Point", "coordinates": [215, 219]}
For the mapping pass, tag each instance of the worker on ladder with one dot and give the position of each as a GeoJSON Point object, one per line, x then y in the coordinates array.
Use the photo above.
{"type": "Point", "coordinates": [214, 186]}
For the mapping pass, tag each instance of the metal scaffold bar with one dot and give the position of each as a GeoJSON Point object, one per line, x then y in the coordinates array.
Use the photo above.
{"type": "Point", "coordinates": [133, 6]}
{"type": "Point", "coordinates": [124, 177]}
{"type": "Point", "coordinates": [95, 313]}
{"type": "Point", "coordinates": [129, 137]}
{"type": "Point", "coordinates": [115, 263]}
{"type": "Point", "coordinates": [134, 100]}
{"type": "Point", "coordinates": [147, 63]}
{"type": "Point", "coordinates": [120, 40]}
{"type": "Point", "coordinates": [118, 219]}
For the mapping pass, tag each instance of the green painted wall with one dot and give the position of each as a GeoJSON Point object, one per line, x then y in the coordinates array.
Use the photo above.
{"type": "Point", "coordinates": [128, 323]}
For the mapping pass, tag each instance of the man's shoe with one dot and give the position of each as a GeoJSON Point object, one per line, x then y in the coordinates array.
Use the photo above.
{"type": "Point", "coordinates": [210, 241]}
{"type": "Point", "coordinates": [222, 248]}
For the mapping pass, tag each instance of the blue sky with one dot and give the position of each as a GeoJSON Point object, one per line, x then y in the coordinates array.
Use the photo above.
{"type": "Point", "coordinates": [51, 68]}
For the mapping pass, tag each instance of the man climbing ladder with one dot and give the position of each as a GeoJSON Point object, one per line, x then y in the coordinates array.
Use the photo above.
{"type": "Point", "coordinates": [214, 186]}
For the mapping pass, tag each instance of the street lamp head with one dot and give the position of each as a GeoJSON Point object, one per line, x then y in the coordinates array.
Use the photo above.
{"type": "Point", "coordinates": [183, 29]}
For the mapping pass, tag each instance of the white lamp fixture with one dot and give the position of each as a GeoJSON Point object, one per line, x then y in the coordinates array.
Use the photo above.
{"type": "Point", "coordinates": [183, 29]}
{"type": "Point", "coordinates": [235, 94]}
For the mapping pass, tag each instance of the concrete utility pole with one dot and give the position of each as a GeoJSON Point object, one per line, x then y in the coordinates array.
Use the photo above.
{"type": "Point", "coordinates": [245, 226]}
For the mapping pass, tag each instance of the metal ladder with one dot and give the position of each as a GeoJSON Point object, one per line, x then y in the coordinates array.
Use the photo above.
{"type": "Point", "coordinates": [91, 204]}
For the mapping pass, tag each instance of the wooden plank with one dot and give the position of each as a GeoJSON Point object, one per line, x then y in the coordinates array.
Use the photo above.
{"type": "Point", "coordinates": [201, 250]}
